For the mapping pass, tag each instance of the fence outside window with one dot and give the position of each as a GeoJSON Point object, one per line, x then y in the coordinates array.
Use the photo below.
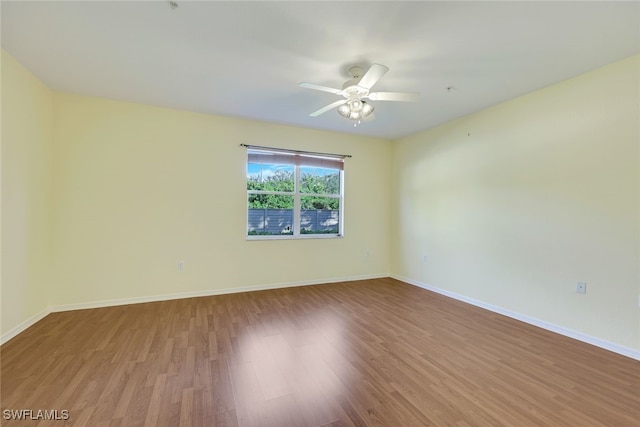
{"type": "Point", "coordinates": [280, 221]}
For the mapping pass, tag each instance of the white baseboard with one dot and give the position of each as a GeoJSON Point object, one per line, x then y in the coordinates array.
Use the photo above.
{"type": "Point", "coordinates": [206, 293]}
{"type": "Point", "coordinates": [24, 325]}
{"type": "Point", "coordinates": [616, 348]}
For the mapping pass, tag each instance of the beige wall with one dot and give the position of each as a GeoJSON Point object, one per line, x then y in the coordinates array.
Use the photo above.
{"type": "Point", "coordinates": [515, 204]}
{"type": "Point", "coordinates": [139, 188]}
{"type": "Point", "coordinates": [27, 113]}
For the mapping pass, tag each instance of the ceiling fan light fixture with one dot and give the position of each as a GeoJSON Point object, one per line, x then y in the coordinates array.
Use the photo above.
{"type": "Point", "coordinates": [355, 109]}
{"type": "Point", "coordinates": [344, 110]}
{"type": "Point", "coordinates": [367, 109]}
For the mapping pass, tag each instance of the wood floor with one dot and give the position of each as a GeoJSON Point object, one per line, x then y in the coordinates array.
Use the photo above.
{"type": "Point", "coordinates": [368, 353]}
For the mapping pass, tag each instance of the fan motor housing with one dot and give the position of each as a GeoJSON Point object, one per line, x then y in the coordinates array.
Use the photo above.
{"type": "Point", "coordinates": [350, 89]}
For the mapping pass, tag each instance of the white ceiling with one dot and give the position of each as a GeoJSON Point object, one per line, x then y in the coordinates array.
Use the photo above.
{"type": "Point", "coordinates": [245, 59]}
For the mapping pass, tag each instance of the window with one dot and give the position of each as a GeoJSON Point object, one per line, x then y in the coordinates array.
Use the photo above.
{"type": "Point", "coordinates": [292, 194]}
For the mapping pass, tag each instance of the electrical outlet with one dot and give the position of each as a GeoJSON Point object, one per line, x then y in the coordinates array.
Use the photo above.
{"type": "Point", "coordinates": [180, 265]}
{"type": "Point", "coordinates": [424, 258]}
{"type": "Point", "coordinates": [581, 288]}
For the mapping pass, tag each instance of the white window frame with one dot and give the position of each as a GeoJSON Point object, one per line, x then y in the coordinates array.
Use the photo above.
{"type": "Point", "coordinates": [299, 159]}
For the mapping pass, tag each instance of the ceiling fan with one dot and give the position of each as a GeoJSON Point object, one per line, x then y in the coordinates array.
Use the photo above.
{"type": "Point", "coordinates": [356, 91]}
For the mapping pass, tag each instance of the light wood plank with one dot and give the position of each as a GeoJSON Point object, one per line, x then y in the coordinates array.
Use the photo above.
{"type": "Point", "coordinates": [365, 353]}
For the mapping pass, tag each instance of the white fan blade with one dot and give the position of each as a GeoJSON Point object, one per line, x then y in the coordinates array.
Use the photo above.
{"type": "Point", "coordinates": [373, 74]}
{"type": "Point", "coordinates": [394, 96]}
{"type": "Point", "coordinates": [322, 88]}
{"type": "Point", "coordinates": [328, 107]}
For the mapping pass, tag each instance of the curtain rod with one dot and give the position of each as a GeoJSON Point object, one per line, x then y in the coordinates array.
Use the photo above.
{"type": "Point", "coordinates": [296, 151]}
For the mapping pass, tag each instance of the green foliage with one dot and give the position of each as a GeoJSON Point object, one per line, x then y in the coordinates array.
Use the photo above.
{"type": "Point", "coordinates": [268, 233]}
{"type": "Point", "coordinates": [283, 181]}
{"type": "Point", "coordinates": [280, 180]}
{"type": "Point", "coordinates": [309, 231]}
{"type": "Point", "coordinates": [312, 202]}
{"type": "Point", "coordinates": [289, 233]}
{"type": "Point", "coordinates": [270, 201]}
{"type": "Point", "coordinates": [320, 184]}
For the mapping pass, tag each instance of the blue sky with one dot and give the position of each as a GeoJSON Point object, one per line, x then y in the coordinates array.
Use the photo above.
{"type": "Point", "coordinates": [253, 169]}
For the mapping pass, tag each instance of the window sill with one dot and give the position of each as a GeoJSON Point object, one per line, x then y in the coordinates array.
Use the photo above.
{"type": "Point", "coordinates": [300, 237]}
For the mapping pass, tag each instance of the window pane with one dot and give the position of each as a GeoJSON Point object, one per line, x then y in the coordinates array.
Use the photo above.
{"type": "Point", "coordinates": [319, 215]}
{"type": "Point", "coordinates": [323, 203]}
{"type": "Point", "coordinates": [291, 193]}
{"type": "Point", "coordinates": [319, 180]}
{"type": "Point", "coordinates": [270, 215]}
{"type": "Point", "coordinates": [270, 177]}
